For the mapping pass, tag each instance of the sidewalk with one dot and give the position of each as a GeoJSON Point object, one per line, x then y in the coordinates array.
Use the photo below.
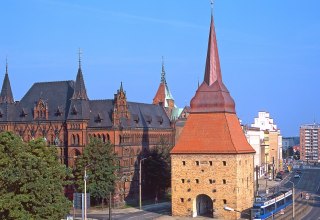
{"type": "Point", "coordinates": [271, 185]}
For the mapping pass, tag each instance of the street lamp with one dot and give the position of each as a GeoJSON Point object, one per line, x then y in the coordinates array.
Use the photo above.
{"type": "Point", "coordinates": [140, 181]}
{"type": "Point", "coordinates": [292, 199]}
{"type": "Point", "coordinates": [229, 209]}
{"type": "Point", "coordinates": [85, 190]}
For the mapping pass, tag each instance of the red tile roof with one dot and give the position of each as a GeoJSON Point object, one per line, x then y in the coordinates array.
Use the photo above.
{"type": "Point", "coordinates": [160, 95]}
{"type": "Point", "coordinates": [212, 133]}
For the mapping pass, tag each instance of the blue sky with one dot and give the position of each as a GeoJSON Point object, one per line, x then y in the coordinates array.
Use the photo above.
{"type": "Point", "coordinates": [269, 50]}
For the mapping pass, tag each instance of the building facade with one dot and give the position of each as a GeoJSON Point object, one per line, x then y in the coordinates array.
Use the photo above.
{"type": "Point", "coordinates": [62, 114]}
{"type": "Point", "coordinates": [253, 136]}
{"type": "Point", "coordinates": [271, 142]}
{"type": "Point", "coordinates": [212, 162]}
{"type": "Point", "coordinates": [309, 142]}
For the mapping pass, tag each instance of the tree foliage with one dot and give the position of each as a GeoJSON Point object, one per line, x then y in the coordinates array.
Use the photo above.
{"type": "Point", "coordinates": [101, 166]}
{"type": "Point", "coordinates": [31, 180]}
{"type": "Point", "coordinates": [157, 170]}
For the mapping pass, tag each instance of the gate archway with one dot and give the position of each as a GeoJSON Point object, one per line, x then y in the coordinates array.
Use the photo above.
{"type": "Point", "coordinates": [204, 206]}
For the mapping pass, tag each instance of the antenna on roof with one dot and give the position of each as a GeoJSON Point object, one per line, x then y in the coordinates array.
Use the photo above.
{"type": "Point", "coordinates": [80, 52]}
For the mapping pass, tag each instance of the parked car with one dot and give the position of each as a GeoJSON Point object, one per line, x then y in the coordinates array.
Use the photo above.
{"type": "Point", "coordinates": [296, 175]}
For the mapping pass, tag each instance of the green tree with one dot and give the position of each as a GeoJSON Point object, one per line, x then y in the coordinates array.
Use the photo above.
{"type": "Point", "coordinates": [101, 166]}
{"type": "Point", "coordinates": [31, 180]}
{"type": "Point", "coordinates": [157, 170]}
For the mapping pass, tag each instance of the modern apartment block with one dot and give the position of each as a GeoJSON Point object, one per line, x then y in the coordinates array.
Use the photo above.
{"type": "Point", "coordinates": [309, 142]}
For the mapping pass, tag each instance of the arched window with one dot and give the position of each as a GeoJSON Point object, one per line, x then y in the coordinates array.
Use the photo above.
{"type": "Point", "coordinates": [108, 137]}
{"type": "Point", "coordinates": [73, 139]}
{"type": "Point", "coordinates": [103, 138]}
{"type": "Point", "coordinates": [99, 136]}
{"type": "Point", "coordinates": [77, 139]}
{"type": "Point", "coordinates": [120, 139]}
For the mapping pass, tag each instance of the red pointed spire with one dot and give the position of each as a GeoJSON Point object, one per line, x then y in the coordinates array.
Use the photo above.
{"type": "Point", "coordinates": [212, 95]}
{"type": "Point", "coordinates": [213, 70]}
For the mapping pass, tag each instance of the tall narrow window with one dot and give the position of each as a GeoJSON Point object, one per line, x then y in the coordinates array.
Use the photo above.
{"type": "Point", "coordinates": [224, 201]}
{"type": "Point", "coordinates": [210, 162]}
{"type": "Point", "coordinates": [224, 181]}
{"type": "Point", "coordinates": [197, 163]}
{"type": "Point", "coordinates": [224, 163]}
{"type": "Point", "coordinates": [183, 163]}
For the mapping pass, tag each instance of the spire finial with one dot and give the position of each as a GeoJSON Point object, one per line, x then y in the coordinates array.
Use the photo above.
{"type": "Point", "coordinates": [121, 87]}
{"type": "Point", "coordinates": [211, 3]}
{"type": "Point", "coordinates": [6, 65]}
{"type": "Point", "coordinates": [79, 53]}
{"type": "Point", "coordinates": [163, 72]}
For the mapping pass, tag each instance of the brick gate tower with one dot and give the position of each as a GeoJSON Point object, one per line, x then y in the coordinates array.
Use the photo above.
{"type": "Point", "coordinates": [212, 162]}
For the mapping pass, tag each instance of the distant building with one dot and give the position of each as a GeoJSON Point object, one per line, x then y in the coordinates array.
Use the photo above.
{"type": "Point", "coordinates": [253, 136]}
{"type": "Point", "coordinates": [63, 115]}
{"type": "Point", "coordinates": [212, 162]}
{"type": "Point", "coordinates": [309, 142]}
{"type": "Point", "coordinates": [271, 141]}
{"type": "Point", "coordinates": [289, 142]}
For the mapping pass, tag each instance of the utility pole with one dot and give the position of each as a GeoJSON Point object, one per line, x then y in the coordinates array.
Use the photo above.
{"type": "Point", "coordinates": [85, 191]}
{"type": "Point", "coordinates": [140, 202]}
{"type": "Point", "coordinates": [257, 180]}
{"type": "Point", "coordinates": [293, 210]}
{"type": "Point", "coordinates": [272, 168]}
{"type": "Point", "coordinates": [110, 211]}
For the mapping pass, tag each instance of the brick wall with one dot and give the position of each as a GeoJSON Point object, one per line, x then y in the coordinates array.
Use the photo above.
{"type": "Point", "coordinates": [226, 179]}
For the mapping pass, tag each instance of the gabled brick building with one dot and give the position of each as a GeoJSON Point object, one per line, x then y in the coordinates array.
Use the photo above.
{"type": "Point", "coordinates": [62, 114]}
{"type": "Point", "coordinates": [212, 162]}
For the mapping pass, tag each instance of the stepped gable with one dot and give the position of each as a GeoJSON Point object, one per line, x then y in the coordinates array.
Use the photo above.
{"type": "Point", "coordinates": [212, 126]}
{"type": "Point", "coordinates": [6, 92]}
{"type": "Point", "coordinates": [55, 94]}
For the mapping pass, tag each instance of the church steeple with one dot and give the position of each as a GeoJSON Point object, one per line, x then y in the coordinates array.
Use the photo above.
{"type": "Point", "coordinates": [80, 88]}
{"type": "Point", "coordinates": [6, 92]}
